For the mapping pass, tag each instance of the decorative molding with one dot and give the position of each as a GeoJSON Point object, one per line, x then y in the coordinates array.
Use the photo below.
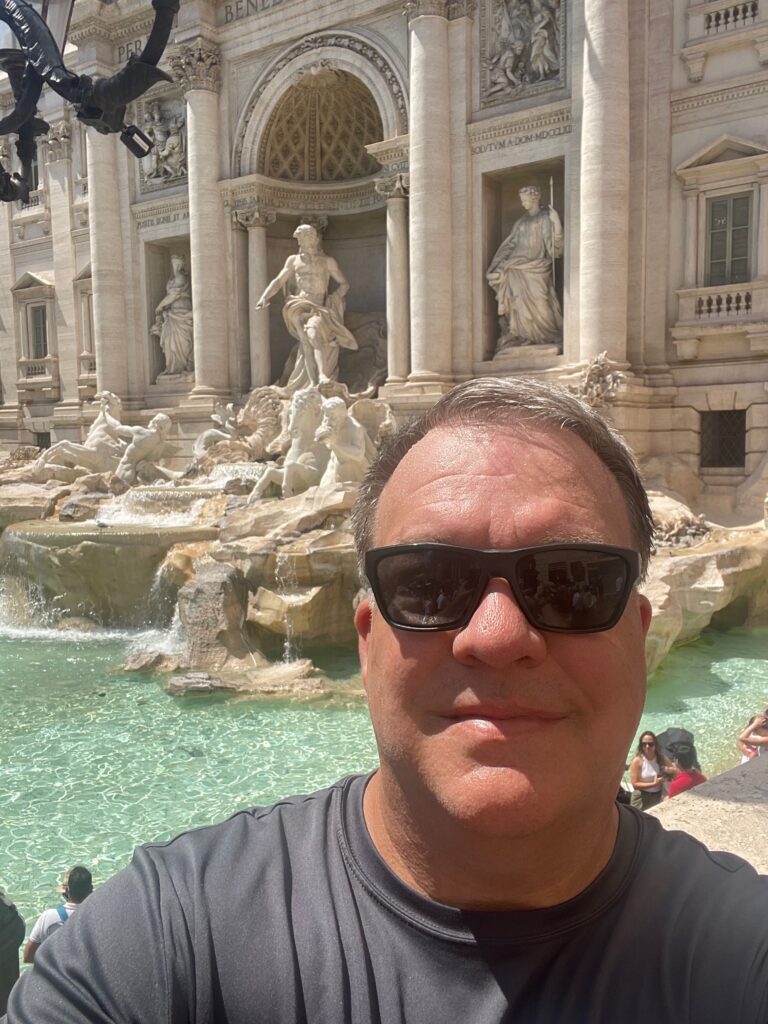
{"type": "Point", "coordinates": [392, 154]}
{"type": "Point", "coordinates": [461, 9]}
{"type": "Point", "coordinates": [733, 92]}
{"type": "Point", "coordinates": [253, 218]}
{"type": "Point", "coordinates": [162, 117]}
{"type": "Point", "coordinates": [317, 41]}
{"type": "Point", "coordinates": [522, 53]}
{"type": "Point", "coordinates": [196, 66]}
{"type": "Point", "coordinates": [164, 211]}
{"type": "Point", "coordinates": [509, 132]}
{"type": "Point", "coordinates": [394, 186]}
{"type": "Point", "coordinates": [266, 194]}
{"type": "Point", "coordinates": [57, 144]}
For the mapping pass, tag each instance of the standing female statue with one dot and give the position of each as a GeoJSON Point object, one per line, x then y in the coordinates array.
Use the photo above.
{"type": "Point", "coordinates": [173, 322]}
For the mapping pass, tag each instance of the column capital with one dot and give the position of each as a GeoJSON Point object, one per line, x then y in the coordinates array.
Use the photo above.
{"type": "Point", "coordinates": [57, 144]}
{"type": "Point", "coordinates": [417, 8]}
{"type": "Point", "coordinates": [196, 65]}
{"type": "Point", "coordinates": [394, 186]}
{"type": "Point", "coordinates": [253, 218]}
{"type": "Point", "coordinates": [461, 9]}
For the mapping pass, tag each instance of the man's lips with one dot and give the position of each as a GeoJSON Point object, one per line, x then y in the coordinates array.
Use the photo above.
{"type": "Point", "coordinates": [502, 720]}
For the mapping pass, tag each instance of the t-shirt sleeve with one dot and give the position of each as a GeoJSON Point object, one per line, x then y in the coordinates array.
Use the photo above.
{"type": "Point", "coordinates": [40, 927]}
{"type": "Point", "coordinates": [109, 963]}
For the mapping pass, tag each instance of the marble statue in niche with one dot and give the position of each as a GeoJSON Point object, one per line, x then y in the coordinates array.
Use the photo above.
{"type": "Point", "coordinates": [168, 159]}
{"type": "Point", "coordinates": [173, 322]}
{"type": "Point", "coordinates": [524, 49]}
{"type": "Point", "coordinates": [313, 315]}
{"type": "Point", "coordinates": [522, 276]}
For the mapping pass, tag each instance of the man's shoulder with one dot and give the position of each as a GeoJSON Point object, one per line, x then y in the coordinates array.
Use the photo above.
{"type": "Point", "coordinates": [301, 818]}
{"type": "Point", "coordinates": [676, 860]}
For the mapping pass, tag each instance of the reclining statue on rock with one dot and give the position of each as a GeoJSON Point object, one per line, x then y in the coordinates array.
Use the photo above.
{"type": "Point", "coordinates": [225, 418]}
{"type": "Point", "coordinates": [349, 444]}
{"type": "Point", "coordinates": [101, 451]}
{"type": "Point", "coordinates": [147, 447]}
{"type": "Point", "coordinates": [307, 456]}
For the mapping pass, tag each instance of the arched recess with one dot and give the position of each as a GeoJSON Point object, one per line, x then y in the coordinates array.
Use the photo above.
{"type": "Point", "coordinates": [346, 52]}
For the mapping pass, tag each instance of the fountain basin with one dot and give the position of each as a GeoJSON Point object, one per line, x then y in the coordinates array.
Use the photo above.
{"type": "Point", "coordinates": [104, 572]}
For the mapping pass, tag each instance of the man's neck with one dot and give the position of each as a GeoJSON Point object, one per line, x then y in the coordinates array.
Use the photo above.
{"type": "Point", "coordinates": [452, 864]}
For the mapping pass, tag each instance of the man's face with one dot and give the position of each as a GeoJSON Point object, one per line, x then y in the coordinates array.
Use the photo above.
{"type": "Point", "coordinates": [506, 728]}
{"type": "Point", "coordinates": [529, 200]}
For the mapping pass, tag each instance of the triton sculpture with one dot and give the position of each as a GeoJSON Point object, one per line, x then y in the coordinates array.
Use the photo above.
{"type": "Point", "coordinates": [32, 58]}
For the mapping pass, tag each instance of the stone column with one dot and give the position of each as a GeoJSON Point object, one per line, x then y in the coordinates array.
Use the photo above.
{"type": "Point", "coordinates": [256, 222]}
{"type": "Point", "coordinates": [690, 276]}
{"type": "Point", "coordinates": [57, 153]}
{"type": "Point", "coordinates": [762, 230]}
{"type": "Point", "coordinates": [196, 66]}
{"type": "Point", "coordinates": [398, 307]}
{"type": "Point", "coordinates": [431, 233]}
{"type": "Point", "coordinates": [107, 265]}
{"type": "Point", "coordinates": [604, 255]}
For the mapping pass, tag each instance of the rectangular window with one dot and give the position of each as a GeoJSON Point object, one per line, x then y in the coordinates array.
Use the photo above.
{"type": "Point", "coordinates": [723, 439]}
{"type": "Point", "coordinates": [43, 439]}
{"type": "Point", "coordinates": [38, 331]}
{"type": "Point", "coordinates": [729, 239]}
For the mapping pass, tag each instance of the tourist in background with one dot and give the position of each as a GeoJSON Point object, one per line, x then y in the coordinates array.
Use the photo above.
{"type": "Point", "coordinates": [687, 775]}
{"type": "Point", "coordinates": [754, 737]}
{"type": "Point", "coordinates": [11, 937]}
{"type": "Point", "coordinates": [77, 887]}
{"type": "Point", "coordinates": [647, 773]}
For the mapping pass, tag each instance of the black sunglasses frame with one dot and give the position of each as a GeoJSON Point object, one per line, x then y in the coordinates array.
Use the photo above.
{"type": "Point", "coordinates": [500, 564]}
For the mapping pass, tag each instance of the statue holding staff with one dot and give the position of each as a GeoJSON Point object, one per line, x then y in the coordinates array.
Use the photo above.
{"type": "Point", "coordinates": [522, 276]}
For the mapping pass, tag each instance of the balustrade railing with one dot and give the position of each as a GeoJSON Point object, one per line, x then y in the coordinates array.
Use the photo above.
{"type": "Point", "coordinates": [87, 364]}
{"type": "Point", "coordinates": [723, 304]}
{"type": "Point", "coordinates": [730, 17]}
{"type": "Point", "coordinates": [31, 368]}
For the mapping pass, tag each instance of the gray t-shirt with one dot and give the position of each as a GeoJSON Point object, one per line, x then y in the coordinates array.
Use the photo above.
{"type": "Point", "coordinates": [287, 914]}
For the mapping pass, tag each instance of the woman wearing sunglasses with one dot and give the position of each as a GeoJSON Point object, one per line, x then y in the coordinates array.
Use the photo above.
{"type": "Point", "coordinates": [647, 773]}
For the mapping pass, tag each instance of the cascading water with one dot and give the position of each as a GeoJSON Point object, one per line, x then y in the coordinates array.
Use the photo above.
{"type": "Point", "coordinates": [287, 581]}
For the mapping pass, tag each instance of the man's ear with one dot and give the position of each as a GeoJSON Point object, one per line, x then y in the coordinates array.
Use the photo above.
{"type": "Point", "coordinates": [363, 618]}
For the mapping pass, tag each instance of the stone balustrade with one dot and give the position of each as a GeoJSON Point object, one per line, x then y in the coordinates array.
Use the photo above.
{"type": "Point", "coordinates": [724, 303]}
{"type": "Point", "coordinates": [38, 378]}
{"type": "Point", "coordinates": [733, 16]}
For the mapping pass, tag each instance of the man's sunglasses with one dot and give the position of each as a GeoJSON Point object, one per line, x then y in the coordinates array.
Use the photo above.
{"type": "Point", "coordinates": [562, 588]}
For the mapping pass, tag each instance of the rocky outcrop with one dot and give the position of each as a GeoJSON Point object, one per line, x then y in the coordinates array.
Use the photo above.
{"type": "Point", "coordinates": [212, 607]}
{"type": "Point", "coordinates": [689, 587]}
{"type": "Point", "coordinates": [20, 502]}
{"type": "Point", "coordinates": [282, 679]}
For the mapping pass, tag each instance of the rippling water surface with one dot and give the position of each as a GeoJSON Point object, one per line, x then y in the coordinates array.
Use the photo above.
{"type": "Point", "coordinates": [94, 761]}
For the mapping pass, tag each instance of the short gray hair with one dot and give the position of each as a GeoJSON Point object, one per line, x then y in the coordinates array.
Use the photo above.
{"type": "Point", "coordinates": [490, 402]}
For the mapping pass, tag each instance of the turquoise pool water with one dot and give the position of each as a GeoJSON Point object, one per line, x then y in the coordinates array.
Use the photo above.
{"type": "Point", "coordinates": [93, 761]}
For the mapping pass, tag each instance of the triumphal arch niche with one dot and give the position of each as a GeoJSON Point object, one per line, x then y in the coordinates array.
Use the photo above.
{"type": "Point", "coordinates": [318, 143]}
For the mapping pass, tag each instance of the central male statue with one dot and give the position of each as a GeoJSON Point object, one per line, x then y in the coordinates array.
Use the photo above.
{"type": "Point", "coordinates": [312, 314]}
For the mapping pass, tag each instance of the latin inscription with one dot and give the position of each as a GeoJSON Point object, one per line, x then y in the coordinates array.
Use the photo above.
{"type": "Point", "coordinates": [239, 9]}
{"type": "Point", "coordinates": [131, 49]}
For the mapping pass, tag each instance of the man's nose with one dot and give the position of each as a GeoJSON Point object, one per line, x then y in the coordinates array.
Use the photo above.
{"type": "Point", "coordinates": [499, 634]}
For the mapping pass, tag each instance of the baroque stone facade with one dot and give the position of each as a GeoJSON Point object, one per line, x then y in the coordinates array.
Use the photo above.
{"type": "Point", "coordinates": [544, 187]}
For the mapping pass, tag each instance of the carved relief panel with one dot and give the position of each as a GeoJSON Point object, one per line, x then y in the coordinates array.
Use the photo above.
{"type": "Point", "coordinates": [163, 119]}
{"type": "Point", "coordinates": [522, 49]}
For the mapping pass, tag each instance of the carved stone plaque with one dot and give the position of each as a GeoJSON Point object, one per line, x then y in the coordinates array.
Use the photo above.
{"type": "Point", "coordinates": [522, 49]}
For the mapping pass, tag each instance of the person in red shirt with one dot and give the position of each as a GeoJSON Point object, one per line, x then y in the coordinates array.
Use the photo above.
{"type": "Point", "coordinates": [687, 776]}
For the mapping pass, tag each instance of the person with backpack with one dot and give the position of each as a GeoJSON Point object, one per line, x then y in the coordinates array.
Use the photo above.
{"type": "Point", "coordinates": [77, 887]}
{"type": "Point", "coordinates": [11, 937]}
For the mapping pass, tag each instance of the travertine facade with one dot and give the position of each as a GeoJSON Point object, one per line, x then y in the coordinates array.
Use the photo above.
{"type": "Point", "coordinates": [404, 133]}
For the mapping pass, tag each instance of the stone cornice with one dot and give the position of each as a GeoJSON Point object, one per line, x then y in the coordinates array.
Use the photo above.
{"type": "Point", "coordinates": [735, 90]}
{"type": "Point", "coordinates": [517, 129]}
{"type": "Point", "coordinates": [132, 26]}
{"type": "Point", "coordinates": [196, 65]}
{"type": "Point", "coordinates": [270, 195]}
{"type": "Point", "coordinates": [161, 211]}
{"type": "Point", "coordinates": [392, 154]}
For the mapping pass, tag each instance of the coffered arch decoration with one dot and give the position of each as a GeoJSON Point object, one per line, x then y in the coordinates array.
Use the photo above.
{"type": "Point", "coordinates": [319, 129]}
{"type": "Point", "coordinates": [344, 61]}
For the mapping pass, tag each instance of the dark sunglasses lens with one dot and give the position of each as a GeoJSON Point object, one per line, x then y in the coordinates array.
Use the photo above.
{"type": "Point", "coordinates": [573, 590]}
{"type": "Point", "coordinates": [427, 588]}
